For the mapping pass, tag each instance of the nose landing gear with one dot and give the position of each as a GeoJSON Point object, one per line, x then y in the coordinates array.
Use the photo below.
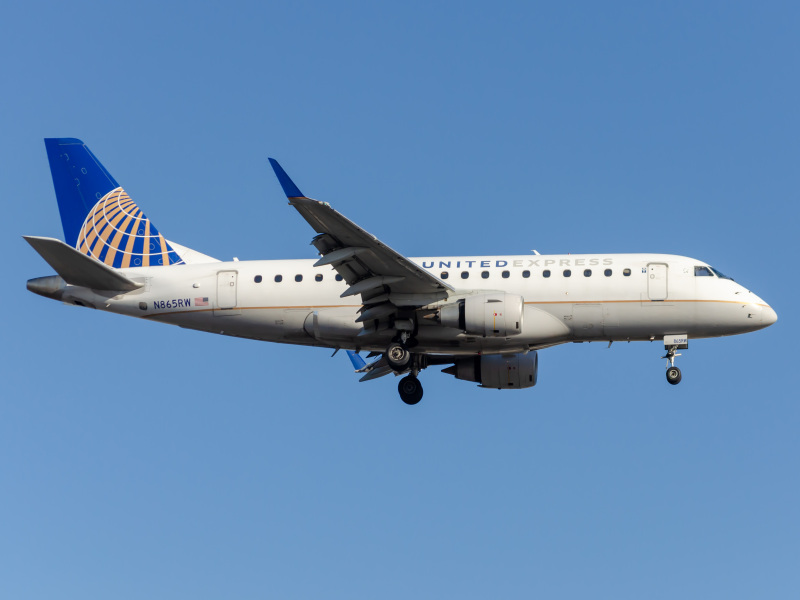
{"type": "Point", "coordinates": [673, 372]}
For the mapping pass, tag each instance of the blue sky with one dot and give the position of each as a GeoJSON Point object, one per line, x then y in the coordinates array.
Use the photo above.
{"type": "Point", "coordinates": [140, 460]}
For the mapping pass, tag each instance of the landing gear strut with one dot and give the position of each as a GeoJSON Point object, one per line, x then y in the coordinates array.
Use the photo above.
{"type": "Point", "coordinates": [673, 372]}
{"type": "Point", "coordinates": [410, 390]}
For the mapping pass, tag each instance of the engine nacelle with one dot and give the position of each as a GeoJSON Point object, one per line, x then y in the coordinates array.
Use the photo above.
{"type": "Point", "coordinates": [488, 315]}
{"type": "Point", "coordinates": [500, 371]}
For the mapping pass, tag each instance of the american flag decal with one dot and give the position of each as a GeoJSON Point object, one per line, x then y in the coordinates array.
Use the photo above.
{"type": "Point", "coordinates": [201, 301]}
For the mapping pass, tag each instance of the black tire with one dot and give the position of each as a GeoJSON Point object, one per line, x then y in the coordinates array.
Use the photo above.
{"type": "Point", "coordinates": [674, 375]}
{"type": "Point", "coordinates": [398, 357]}
{"type": "Point", "coordinates": [410, 390]}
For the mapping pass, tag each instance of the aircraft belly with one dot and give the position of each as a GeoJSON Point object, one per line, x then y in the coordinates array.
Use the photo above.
{"type": "Point", "coordinates": [587, 320]}
{"type": "Point", "coordinates": [267, 324]}
{"type": "Point", "coordinates": [332, 324]}
{"type": "Point", "coordinates": [544, 323]}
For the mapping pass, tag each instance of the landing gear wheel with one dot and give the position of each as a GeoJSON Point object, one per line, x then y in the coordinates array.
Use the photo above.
{"type": "Point", "coordinates": [410, 390]}
{"type": "Point", "coordinates": [398, 357]}
{"type": "Point", "coordinates": [674, 375]}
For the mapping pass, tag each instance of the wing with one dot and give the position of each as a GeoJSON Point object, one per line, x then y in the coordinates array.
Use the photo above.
{"type": "Point", "coordinates": [385, 279]}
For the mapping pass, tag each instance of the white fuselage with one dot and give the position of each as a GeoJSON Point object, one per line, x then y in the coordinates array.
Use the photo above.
{"type": "Point", "coordinates": [604, 297]}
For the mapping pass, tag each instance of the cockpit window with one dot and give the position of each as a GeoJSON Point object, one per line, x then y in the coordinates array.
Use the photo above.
{"type": "Point", "coordinates": [703, 272]}
{"type": "Point", "coordinates": [720, 274]}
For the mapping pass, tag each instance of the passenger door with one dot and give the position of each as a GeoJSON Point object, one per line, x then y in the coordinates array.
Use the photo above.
{"type": "Point", "coordinates": [657, 281]}
{"type": "Point", "coordinates": [226, 289]}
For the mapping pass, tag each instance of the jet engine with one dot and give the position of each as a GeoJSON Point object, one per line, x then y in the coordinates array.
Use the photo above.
{"type": "Point", "coordinates": [500, 371]}
{"type": "Point", "coordinates": [488, 315]}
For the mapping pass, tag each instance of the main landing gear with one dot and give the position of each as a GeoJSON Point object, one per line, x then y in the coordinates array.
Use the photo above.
{"type": "Point", "coordinates": [673, 372]}
{"type": "Point", "coordinates": [400, 359]}
{"type": "Point", "coordinates": [410, 389]}
{"type": "Point", "coordinates": [398, 356]}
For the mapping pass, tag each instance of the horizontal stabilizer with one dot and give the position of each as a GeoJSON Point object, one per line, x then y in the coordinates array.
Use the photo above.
{"type": "Point", "coordinates": [77, 268]}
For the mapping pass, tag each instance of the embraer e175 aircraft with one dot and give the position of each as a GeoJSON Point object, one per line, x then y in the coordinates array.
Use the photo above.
{"type": "Point", "coordinates": [484, 317]}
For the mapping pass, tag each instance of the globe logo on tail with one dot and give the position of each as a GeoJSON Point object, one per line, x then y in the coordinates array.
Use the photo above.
{"type": "Point", "coordinates": [117, 233]}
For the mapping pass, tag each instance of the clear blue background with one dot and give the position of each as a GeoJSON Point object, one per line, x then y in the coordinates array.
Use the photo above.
{"type": "Point", "coordinates": [144, 461]}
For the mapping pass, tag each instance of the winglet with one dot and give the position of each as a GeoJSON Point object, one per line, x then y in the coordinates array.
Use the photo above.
{"type": "Point", "coordinates": [289, 188]}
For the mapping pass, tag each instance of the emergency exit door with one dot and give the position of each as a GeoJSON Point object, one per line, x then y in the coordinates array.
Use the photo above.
{"type": "Point", "coordinates": [226, 289]}
{"type": "Point", "coordinates": [657, 281]}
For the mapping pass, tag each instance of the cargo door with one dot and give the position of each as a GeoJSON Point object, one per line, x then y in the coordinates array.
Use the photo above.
{"type": "Point", "coordinates": [657, 281]}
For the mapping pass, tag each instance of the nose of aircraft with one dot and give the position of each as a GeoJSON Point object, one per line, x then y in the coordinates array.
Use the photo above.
{"type": "Point", "coordinates": [768, 316]}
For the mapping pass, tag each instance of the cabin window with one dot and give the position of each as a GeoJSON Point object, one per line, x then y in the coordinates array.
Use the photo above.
{"type": "Point", "coordinates": [587, 273]}
{"type": "Point", "coordinates": [298, 278]}
{"type": "Point", "coordinates": [526, 274]}
{"type": "Point", "coordinates": [257, 278]}
{"type": "Point", "coordinates": [627, 272]}
{"type": "Point", "coordinates": [702, 272]}
{"type": "Point", "coordinates": [505, 274]}
{"type": "Point", "coordinates": [278, 278]}
{"type": "Point", "coordinates": [485, 274]}
{"type": "Point", "coordinates": [444, 275]}
{"type": "Point", "coordinates": [607, 272]}
{"type": "Point", "coordinates": [318, 277]}
{"type": "Point", "coordinates": [464, 274]}
{"type": "Point", "coordinates": [338, 277]}
{"type": "Point", "coordinates": [567, 273]}
{"type": "Point", "coordinates": [546, 273]}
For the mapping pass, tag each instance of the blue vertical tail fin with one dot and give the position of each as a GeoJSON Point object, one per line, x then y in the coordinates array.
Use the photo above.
{"type": "Point", "coordinates": [98, 217]}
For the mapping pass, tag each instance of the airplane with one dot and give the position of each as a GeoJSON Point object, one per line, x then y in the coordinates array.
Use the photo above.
{"type": "Point", "coordinates": [482, 317]}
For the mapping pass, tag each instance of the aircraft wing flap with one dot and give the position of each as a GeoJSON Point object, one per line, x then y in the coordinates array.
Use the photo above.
{"type": "Point", "coordinates": [77, 268]}
{"type": "Point", "coordinates": [360, 255]}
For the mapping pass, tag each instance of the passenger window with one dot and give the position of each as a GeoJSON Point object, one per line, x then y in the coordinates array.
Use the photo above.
{"type": "Point", "coordinates": [587, 273]}
{"type": "Point", "coordinates": [278, 278]}
{"type": "Point", "coordinates": [338, 277]}
{"type": "Point", "coordinates": [546, 273]}
{"type": "Point", "coordinates": [257, 278]}
{"type": "Point", "coordinates": [702, 272]}
{"type": "Point", "coordinates": [444, 275]}
{"type": "Point", "coordinates": [526, 274]}
{"type": "Point", "coordinates": [464, 274]}
{"type": "Point", "coordinates": [485, 274]}
{"type": "Point", "coordinates": [298, 278]}
{"type": "Point", "coordinates": [607, 272]}
{"type": "Point", "coordinates": [567, 273]}
{"type": "Point", "coordinates": [317, 277]}
{"type": "Point", "coordinates": [627, 272]}
{"type": "Point", "coordinates": [505, 274]}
